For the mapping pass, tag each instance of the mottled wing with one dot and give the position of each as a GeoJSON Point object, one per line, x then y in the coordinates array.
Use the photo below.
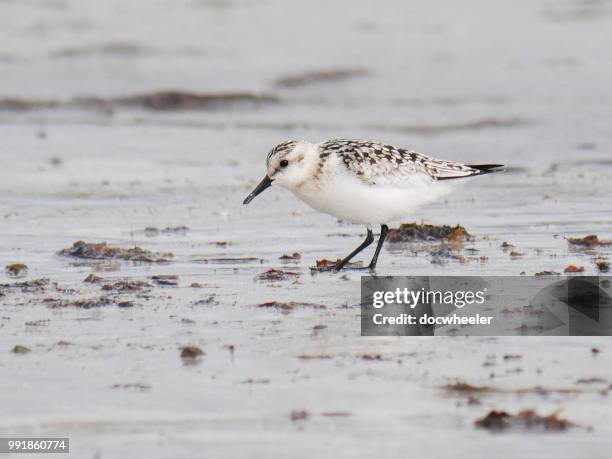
{"type": "Point", "coordinates": [383, 164]}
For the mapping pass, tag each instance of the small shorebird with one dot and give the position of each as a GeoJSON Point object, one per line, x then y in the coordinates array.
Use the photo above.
{"type": "Point", "coordinates": [362, 182]}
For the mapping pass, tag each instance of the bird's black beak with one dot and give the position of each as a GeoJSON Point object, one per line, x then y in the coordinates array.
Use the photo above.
{"type": "Point", "coordinates": [265, 183]}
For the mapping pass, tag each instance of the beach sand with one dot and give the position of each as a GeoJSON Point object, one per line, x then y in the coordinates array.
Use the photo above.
{"type": "Point", "coordinates": [147, 123]}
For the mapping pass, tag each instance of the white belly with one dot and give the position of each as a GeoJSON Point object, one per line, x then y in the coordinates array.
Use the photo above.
{"type": "Point", "coordinates": [351, 199]}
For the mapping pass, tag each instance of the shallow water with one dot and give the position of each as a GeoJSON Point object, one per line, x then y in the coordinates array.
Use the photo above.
{"type": "Point", "coordinates": [523, 84]}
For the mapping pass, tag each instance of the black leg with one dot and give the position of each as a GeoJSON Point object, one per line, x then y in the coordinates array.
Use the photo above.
{"type": "Point", "coordinates": [384, 229]}
{"type": "Point", "coordinates": [368, 240]}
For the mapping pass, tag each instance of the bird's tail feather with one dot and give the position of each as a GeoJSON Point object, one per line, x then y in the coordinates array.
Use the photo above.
{"type": "Point", "coordinates": [487, 168]}
{"type": "Point", "coordinates": [475, 170]}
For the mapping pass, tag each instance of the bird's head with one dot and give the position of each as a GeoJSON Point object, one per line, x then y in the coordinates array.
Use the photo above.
{"type": "Point", "coordinates": [287, 166]}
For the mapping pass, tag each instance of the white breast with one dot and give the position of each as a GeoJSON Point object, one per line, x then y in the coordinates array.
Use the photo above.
{"type": "Point", "coordinates": [340, 193]}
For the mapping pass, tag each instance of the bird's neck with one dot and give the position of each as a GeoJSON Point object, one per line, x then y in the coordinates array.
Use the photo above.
{"type": "Point", "coordinates": [308, 156]}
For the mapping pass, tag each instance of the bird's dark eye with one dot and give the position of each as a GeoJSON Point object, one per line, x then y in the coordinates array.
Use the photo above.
{"type": "Point", "coordinates": [284, 163]}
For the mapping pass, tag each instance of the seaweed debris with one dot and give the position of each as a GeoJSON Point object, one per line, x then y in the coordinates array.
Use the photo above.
{"type": "Point", "coordinates": [314, 356]}
{"type": "Point", "coordinates": [82, 303]}
{"type": "Point", "coordinates": [191, 352]}
{"type": "Point", "coordinates": [20, 349]}
{"type": "Point", "coordinates": [276, 275]}
{"type": "Point", "coordinates": [16, 270]}
{"type": "Point", "coordinates": [574, 269]}
{"type": "Point", "coordinates": [318, 76]}
{"type": "Point", "coordinates": [126, 285]}
{"type": "Point", "coordinates": [290, 305]}
{"type": "Point", "coordinates": [103, 251]}
{"type": "Point", "coordinates": [413, 232]}
{"type": "Point", "coordinates": [589, 241]}
{"type": "Point", "coordinates": [466, 388]}
{"type": "Point", "coordinates": [326, 264]}
{"type": "Point", "coordinates": [299, 415]}
{"type": "Point", "coordinates": [228, 260]}
{"type": "Point", "coordinates": [34, 285]}
{"type": "Point", "coordinates": [171, 280]}
{"type": "Point", "coordinates": [152, 231]}
{"type": "Point", "coordinates": [93, 279]}
{"type": "Point", "coordinates": [546, 273]}
{"type": "Point", "coordinates": [293, 257]}
{"type": "Point", "coordinates": [602, 265]}
{"type": "Point", "coordinates": [526, 420]}
{"type": "Point", "coordinates": [166, 100]}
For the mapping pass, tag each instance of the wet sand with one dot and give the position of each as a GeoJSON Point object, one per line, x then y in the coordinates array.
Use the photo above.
{"type": "Point", "coordinates": [90, 151]}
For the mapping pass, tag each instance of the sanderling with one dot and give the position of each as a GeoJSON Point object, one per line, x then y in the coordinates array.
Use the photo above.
{"type": "Point", "coordinates": [363, 182]}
